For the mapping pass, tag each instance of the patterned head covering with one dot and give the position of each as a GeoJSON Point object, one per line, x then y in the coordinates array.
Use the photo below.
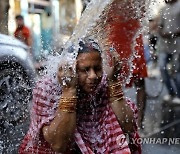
{"type": "Point", "coordinates": [85, 45]}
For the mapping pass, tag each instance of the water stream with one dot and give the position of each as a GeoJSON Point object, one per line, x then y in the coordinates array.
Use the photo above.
{"type": "Point", "coordinates": [97, 22]}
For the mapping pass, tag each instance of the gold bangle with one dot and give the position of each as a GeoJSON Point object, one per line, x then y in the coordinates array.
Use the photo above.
{"type": "Point", "coordinates": [68, 104]}
{"type": "Point", "coordinates": [69, 98]}
{"type": "Point", "coordinates": [116, 95]}
{"type": "Point", "coordinates": [67, 108]}
{"type": "Point", "coordinates": [69, 111]}
{"type": "Point", "coordinates": [115, 85]}
{"type": "Point", "coordinates": [119, 99]}
{"type": "Point", "coordinates": [115, 92]}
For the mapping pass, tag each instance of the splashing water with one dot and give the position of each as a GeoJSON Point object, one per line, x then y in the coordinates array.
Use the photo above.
{"type": "Point", "coordinates": [97, 22]}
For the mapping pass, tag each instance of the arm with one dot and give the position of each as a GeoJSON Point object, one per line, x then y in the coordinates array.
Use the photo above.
{"type": "Point", "coordinates": [118, 103]}
{"type": "Point", "coordinates": [59, 134]}
{"type": "Point", "coordinates": [122, 111]}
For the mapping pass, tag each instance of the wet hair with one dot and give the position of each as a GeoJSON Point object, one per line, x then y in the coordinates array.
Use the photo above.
{"type": "Point", "coordinates": [86, 46]}
{"type": "Point", "coordinates": [19, 17]}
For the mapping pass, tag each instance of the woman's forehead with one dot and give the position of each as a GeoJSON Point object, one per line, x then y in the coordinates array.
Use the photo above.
{"type": "Point", "coordinates": [89, 57]}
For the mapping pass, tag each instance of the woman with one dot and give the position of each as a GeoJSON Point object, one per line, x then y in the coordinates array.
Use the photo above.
{"type": "Point", "coordinates": [86, 115]}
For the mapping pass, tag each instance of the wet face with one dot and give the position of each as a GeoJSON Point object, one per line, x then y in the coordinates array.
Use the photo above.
{"type": "Point", "coordinates": [89, 70]}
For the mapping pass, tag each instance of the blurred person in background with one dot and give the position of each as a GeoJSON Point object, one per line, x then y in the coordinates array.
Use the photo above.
{"type": "Point", "coordinates": [169, 47]}
{"type": "Point", "coordinates": [22, 32]}
{"type": "Point", "coordinates": [153, 38]}
{"type": "Point", "coordinates": [138, 79]}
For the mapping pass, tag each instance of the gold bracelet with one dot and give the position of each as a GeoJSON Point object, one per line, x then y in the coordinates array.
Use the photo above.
{"type": "Point", "coordinates": [68, 107]}
{"type": "Point", "coordinates": [117, 94]}
{"type": "Point", "coordinates": [115, 85]}
{"type": "Point", "coordinates": [68, 104]}
{"type": "Point", "coordinates": [69, 98]}
{"type": "Point", "coordinates": [121, 98]}
{"type": "Point", "coordinates": [69, 111]}
{"type": "Point", "coordinates": [115, 90]}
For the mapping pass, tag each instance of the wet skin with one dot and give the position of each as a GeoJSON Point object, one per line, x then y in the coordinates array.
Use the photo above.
{"type": "Point", "coordinates": [89, 71]}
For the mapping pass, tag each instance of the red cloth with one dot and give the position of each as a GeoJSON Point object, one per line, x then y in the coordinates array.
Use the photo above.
{"type": "Point", "coordinates": [123, 27]}
{"type": "Point", "coordinates": [98, 130]}
{"type": "Point", "coordinates": [22, 33]}
{"type": "Point", "coordinates": [122, 38]}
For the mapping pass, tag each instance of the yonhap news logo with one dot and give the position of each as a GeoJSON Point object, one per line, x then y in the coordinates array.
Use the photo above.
{"type": "Point", "coordinates": [124, 139]}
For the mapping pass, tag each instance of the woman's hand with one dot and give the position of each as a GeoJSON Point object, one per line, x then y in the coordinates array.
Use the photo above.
{"type": "Point", "coordinates": [67, 76]}
{"type": "Point", "coordinates": [114, 67]}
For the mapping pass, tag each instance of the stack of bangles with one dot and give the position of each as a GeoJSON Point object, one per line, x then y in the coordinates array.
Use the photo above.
{"type": "Point", "coordinates": [115, 90]}
{"type": "Point", "coordinates": [68, 104]}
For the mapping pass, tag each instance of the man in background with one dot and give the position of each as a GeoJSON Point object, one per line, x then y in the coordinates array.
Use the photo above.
{"type": "Point", "coordinates": [22, 32]}
{"type": "Point", "coordinates": [169, 47]}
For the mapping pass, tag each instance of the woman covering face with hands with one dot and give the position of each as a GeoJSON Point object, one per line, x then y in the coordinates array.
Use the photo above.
{"type": "Point", "coordinates": [83, 110]}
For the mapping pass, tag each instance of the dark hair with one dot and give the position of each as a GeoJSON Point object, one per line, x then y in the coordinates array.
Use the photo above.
{"type": "Point", "coordinates": [85, 46]}
{"type": "Point", "coordinates": [19, 17]}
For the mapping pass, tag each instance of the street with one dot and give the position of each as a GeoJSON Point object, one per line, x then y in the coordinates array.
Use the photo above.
{"type": "Point", "coordinates": [157, 117]}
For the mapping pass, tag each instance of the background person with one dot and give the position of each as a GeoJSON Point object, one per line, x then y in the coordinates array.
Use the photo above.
{"type": "Point", "coordinates": [153, 39]}
{"type": "Point", "coordinates": [169, 47]}
{"type": "Point", "coordinates": [22, 32]}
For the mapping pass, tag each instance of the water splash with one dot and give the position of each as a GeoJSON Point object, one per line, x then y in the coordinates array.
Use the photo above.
{"type": "Point", "coordinates": [97, 23]}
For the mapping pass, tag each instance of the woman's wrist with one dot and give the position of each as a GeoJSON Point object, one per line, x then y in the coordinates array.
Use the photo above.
{"type": "Point", "coordinates": [115, 91]}
{"type": "Point", "coordinates": [68, 104]}
{"type": "Point", "coordinates": [69, 92]}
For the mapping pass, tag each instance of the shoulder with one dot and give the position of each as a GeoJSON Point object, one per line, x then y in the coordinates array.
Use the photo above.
{"type": "Point", "coordinates": [26, 30]}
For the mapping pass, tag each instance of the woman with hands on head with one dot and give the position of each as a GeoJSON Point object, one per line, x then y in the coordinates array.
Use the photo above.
{"type": "Point", "coordinates": [82, 111]}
